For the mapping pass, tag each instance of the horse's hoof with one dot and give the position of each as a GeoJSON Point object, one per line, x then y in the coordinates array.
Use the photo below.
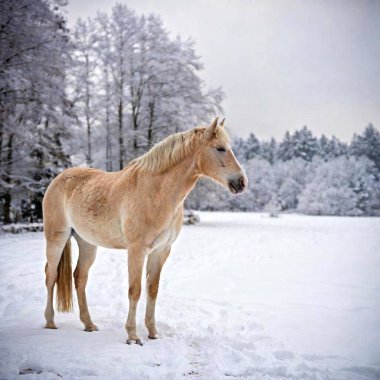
{"type": "Point", "coordinates": [137, 341]}
{"type": "Point", "coordinates": [91, 328]}
{"type": "Point", "coordinates": [153, 336]}
{"type": "Point", "coordinates": [50, 325]}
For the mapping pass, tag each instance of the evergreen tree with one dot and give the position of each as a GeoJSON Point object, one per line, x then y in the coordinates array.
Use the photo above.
{"type": "Point", "coordinates": [305, 145]}
{"type": "Point", "coordinates": [324, 147]}
{"type": "Point", "coordinates": [238, 146]}
{"type": "Point", "coordinates": [368, 145]}
{"type": "Point", "coordinates": [285, 150]}
{"type": "Point", "coordinates": [252, 147]}
{"type": "Point", "coordinates": [301, 144]}
{"type": "Point", "coordinates": [331, 148]}
{"type": "Point", "coordinates": [268, 150]}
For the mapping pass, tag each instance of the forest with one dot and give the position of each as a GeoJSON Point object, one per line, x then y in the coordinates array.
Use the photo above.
{"type": "Point", "coordinates": [104, 91]}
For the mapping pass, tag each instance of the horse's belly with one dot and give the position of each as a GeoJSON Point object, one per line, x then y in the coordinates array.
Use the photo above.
{"type": "Point", "coordinates": [108, 236]}
{"type": "Point", "coordinates": [102, 241]}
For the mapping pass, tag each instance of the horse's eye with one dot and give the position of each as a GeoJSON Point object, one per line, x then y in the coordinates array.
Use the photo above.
{"type": "Point", "coordinates": [220, 149]}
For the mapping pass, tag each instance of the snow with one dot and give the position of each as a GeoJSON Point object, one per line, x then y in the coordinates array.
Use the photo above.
{"type": "Point", "coordinates": [242, 296]}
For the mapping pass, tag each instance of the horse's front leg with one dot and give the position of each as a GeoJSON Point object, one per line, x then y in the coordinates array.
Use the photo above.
{"type": "Point", "coordinates": [155, 262]}
{"type": "Point", "coordinates": [136, 257]}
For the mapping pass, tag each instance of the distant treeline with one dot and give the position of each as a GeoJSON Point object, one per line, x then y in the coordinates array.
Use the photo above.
{"type": "Point", "coordinates": [303, 173]}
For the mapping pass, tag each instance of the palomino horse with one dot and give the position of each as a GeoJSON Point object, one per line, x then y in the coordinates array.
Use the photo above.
{"type": "Point", "coordinates": [139, 208]}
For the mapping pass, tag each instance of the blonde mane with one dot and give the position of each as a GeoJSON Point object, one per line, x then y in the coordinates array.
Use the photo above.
{"type": "Point", "coordinates": [174, 148]}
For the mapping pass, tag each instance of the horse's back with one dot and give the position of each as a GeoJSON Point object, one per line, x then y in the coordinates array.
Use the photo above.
{"type": "Point", "coordinates": [72, 177]}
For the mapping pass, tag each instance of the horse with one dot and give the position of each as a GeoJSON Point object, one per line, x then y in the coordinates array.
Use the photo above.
{"type": "Point", "coordinates": [139, 208]}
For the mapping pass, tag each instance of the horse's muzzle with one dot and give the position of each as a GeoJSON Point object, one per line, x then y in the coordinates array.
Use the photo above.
{"type": "Point", "coordinates": [237, 185]}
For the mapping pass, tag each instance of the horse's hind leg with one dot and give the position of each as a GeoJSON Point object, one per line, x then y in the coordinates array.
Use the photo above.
{"type": "Point", "coordinates": [55, 243]}
{"type": "Point", "coordinates": [87, 255]}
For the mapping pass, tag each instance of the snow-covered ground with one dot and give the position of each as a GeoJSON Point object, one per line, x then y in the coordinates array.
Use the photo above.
{"type": "Point", "coordinates": [242, 296]}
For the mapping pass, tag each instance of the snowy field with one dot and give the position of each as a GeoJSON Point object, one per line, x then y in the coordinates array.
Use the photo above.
{"type": "Point", "coordinates": [242, 296]}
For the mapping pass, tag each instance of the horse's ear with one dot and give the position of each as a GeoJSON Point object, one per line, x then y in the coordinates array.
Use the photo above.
{"type": "Point", "coordinates": [221, 124]}
{"type": "Point", "coordinates": [210, 131]}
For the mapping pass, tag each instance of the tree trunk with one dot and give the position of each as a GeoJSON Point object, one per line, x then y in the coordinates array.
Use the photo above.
{"type": "Point", "coordinates": [135, 127]}
{"type": "Point", "coordinates": [1, 139]}
{"type": "Point", "coordinates": [135, 104]}
{"type": "Point", "coordinates": [150, 125]}
{"type": "Point", "coordinates": [88, 119]}
{"type": "Point", "coordinates": [7, 197]}
{"type": "Point", "coordinates": [39, 177]}
{"type": "Point", "coordinates": [121, 138]}
{"type": "Point", "coordinates": [108, 127]}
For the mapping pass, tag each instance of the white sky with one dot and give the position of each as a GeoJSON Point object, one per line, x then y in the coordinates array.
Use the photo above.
{"type": "Point", "coordinates": [282, 64]}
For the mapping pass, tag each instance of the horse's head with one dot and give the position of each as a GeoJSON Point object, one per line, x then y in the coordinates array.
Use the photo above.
{"type": "Point", "coordinates": [217, 161]}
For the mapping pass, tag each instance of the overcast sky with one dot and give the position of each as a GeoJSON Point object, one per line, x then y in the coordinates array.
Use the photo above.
{"type": "Point", "coordinates": [282, 64]}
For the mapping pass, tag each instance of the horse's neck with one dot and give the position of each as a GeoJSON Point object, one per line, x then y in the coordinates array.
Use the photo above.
{"type": "Point", "coordinates": [177, 182]}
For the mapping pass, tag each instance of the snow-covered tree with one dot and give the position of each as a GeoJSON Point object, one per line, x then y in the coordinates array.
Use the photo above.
{"type": "Point", "coordinates": [331, 148]}
{"type": "Point", "coordinates": [84, 67]}
{"type": "Point", "coordinates": [252, 147]}
{"type": "Point", "coordinates": [285, 149]}
{"type": "Point", "coordinates": [368, 145]}
{"type": "Point", "coordinates": [343, 186]}
{"type": "Point", "coordinates": [268, 150]}
{"type": "Point", "coordinates": [301, 144]}
{"type": "Point", "coordinates": [290, 179]}
{"type": "Point", "coordinates": [148, 85]}
{"type": "Point", "coordinates": [35, 111]}
{"type": "Point", "coordinates": [261, 183]}
{"type": "Point", "coordinates": [106, 91]}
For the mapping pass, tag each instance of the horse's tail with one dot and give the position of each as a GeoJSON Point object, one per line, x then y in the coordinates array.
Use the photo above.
{"type": "Point", "coordinates": [64, 281]}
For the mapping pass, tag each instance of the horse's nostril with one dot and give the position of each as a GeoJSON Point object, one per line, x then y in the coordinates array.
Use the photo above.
{"type": "Point", "coordinates": [237, 185]}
